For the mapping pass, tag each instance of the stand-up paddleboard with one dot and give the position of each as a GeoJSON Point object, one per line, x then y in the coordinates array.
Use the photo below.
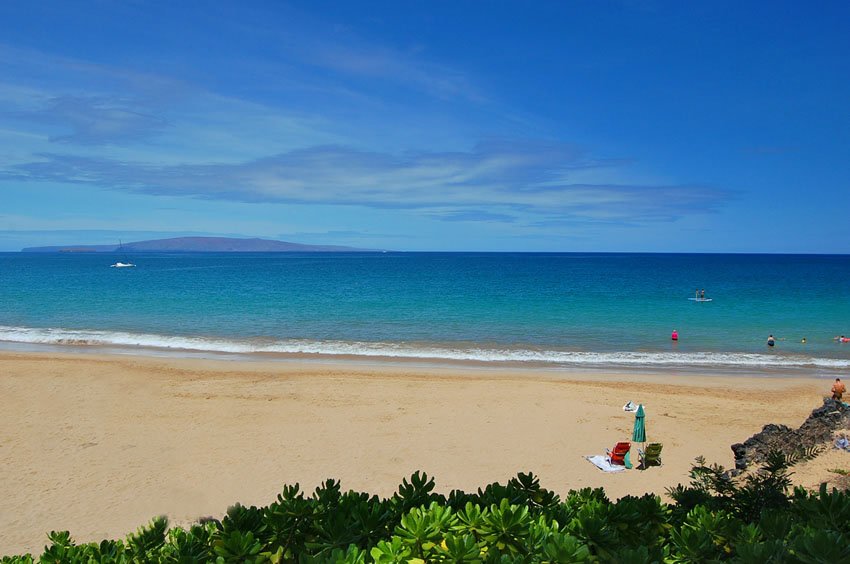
{"type": "Point", "coordinates": [700, 299]}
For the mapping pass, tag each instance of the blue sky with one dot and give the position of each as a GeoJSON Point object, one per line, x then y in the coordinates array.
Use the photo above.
{"type": "Point", "coordinates": [429, 125]}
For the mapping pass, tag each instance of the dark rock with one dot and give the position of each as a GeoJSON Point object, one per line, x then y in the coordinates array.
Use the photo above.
{"type": "Point", "coordinates": [814, 431]}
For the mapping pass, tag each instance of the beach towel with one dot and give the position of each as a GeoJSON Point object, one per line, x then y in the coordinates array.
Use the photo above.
{"type": "Point", "coordinates": [630, 406]}
{"type": "Point", "coordinates": [601, 461]}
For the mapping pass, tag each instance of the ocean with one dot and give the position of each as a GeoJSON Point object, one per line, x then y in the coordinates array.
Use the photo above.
{"type": "Point", "coordinates": [548, 310]}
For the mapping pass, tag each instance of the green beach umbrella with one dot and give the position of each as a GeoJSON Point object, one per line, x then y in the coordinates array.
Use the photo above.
{"type": "Point", "coordinates": [639, 432]}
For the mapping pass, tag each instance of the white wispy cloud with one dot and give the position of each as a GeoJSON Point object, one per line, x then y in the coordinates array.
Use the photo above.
{"type": "Point", "coordinates": [492, 182]}
{"type": "Point", "coordinates": [104, 110]}
{"type": "Point", "coordinates": [297, 41]}
{"type": "Point", "coordinates": [94, 121]}
{"type": "Point", "coordinates": [120, 129]}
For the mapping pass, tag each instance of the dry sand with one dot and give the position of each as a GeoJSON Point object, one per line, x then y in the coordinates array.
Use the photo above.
{"type": "Point", "coordinates": [100, 444]}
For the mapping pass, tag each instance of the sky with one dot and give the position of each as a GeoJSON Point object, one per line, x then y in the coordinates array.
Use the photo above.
{"type": "Point", "coordinates": [567, 126]}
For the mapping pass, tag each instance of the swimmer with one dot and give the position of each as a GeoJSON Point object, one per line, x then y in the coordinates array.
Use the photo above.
{"type": "Point", "coordinates": [771, 341]}
{"type": "Point", "coordinates": [675, 335]}
{"type": "Point", "coordinates": [841, 339]}
{"type": "Point", "coordinates": [803, 340]}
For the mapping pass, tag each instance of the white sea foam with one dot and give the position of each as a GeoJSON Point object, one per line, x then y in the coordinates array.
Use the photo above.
{"type": "Point", "coordinates": [55, 336]}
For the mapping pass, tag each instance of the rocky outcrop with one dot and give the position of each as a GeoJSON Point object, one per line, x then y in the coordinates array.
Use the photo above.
{"type": "Point", "coordinates": [816, 430]}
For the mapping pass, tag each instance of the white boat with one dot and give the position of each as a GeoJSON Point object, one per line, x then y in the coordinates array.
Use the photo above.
{"type": "Point", "coordinates": [121, 264]}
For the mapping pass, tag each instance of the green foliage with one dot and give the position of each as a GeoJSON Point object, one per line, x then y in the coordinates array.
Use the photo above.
{"type": "Point", "coordinates": [352, 555]}
{"type": "Point", "coordinates": [639, 555]}
{"type": "Point", "coordinates": [592, 527]}
{"type": "Point", "coordinates": [146, 542]}
{"type": "Point", "coordinates": [525, 488]}
{"type": "Point", "coordinates": [767, 552]}
{"type": "Point", "coordinates": [63, 549]}
{"type": "Point", "coordinates": [506, 527]}
{"type": "Point", "coordinates": [395, 550]}
{"type": "Point", "coordinates": [244, 519]}
{"type": "Point", "coordinates": [236, 546]}
{"type": "Point", "coordinates": [288, 521]}
{"type": "Point", "coordinates": [415, 493]}
{"type": "Point", "coordinates": [824, 510]}
{"type": "Point", "coordinates": [561, 547]}
{"type": "Point", "coordinates": [423, 529]}
{"type": "Point", "coordinates": [463, 548]}
{"type": "Point", "coordinates": [471, 519]}
{"type": "Point", "coordinates": [22, 559]}
{"type": "Point", "coordinates": [766, 489]}
{"type": "Point", "coordinates": [716, 518]}
{"type": "Point", "coordinates": [108, 551]}
{"type": "Point", "coordinates": [184, 547]}
{"type": "Point", "coordinates": [817, 546]}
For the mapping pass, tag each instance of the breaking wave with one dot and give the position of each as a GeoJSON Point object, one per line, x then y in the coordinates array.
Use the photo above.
{"type": "Point", "coordinates": [424, 351]}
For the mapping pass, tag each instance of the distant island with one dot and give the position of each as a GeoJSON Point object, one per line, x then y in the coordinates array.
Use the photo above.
{"type": "Point", "coordinates": [200, 245]}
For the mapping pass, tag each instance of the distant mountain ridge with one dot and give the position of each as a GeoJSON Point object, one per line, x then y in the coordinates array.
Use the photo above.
{"type": "Point", "coordinates": [200, 245]}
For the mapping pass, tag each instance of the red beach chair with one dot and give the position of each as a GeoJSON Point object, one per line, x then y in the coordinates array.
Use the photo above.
{"type": "Point", "coordinates": [618, 454]}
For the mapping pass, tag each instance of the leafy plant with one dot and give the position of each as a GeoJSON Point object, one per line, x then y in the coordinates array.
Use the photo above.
{"type": "Point", "coordinates": [184, 547]}
{"type": "Point", "coordinates": [816, 546]}
{"type": "Point", "coordinates": [716, 518]}
{"type": "Point", "coordinates": [415, 493]}
{"type": "Point", "coordinates": [147, 540]}
{"type": "Point", "coordinates": [507, 528]}
{"type": "Point", "coordinates": [423, 529]}
{"type": "Point", "coordinates": [457, 549]}
{"type": "Point", "coordinates": [390, 552]}
{"type": "Point", "coordinates": [824, 510]}
{"type": "Point", "coordinates": [236, 546]}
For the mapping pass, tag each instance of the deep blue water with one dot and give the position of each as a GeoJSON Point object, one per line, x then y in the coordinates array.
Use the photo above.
{"type": "Point", "coordinates": [586, 309]}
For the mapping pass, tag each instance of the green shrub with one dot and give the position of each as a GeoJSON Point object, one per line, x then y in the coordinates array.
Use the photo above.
{"type": "Point", "coordinates": [750, 519]}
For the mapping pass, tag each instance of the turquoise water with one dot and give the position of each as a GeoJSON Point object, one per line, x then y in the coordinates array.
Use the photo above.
{"type": "Point", "coordinates": [555, 309]}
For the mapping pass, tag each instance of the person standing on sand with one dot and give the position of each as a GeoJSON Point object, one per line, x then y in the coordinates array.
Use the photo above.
{"type": "Point", "coordinates": [838, 389]}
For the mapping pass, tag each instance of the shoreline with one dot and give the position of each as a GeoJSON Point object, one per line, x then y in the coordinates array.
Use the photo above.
{"type": "Point", "coordinates": [98, 444]}
{"type": "Point", "coordinates": [426, 362]}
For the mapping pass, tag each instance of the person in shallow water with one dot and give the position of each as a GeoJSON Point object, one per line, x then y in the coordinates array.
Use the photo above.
{"type": "Point", "coordinates": [770, 341]}
{"type": "Point", "coordinates": [675, 335]}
